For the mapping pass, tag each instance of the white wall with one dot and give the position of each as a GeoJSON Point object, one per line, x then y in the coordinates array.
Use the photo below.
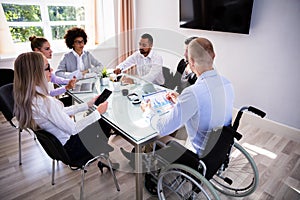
{"type": "Point", "coordinates": [263, 66]}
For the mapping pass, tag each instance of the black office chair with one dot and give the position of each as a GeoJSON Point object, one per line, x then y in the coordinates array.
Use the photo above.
{"type": "Point", "coordinates": [7, 107]}
{"type": "Point", "coordinates": [6, 76]}
{"type": "Point", "coordinates": [56, 151]}
{"type": "Point", "coordinates": [173, 80]}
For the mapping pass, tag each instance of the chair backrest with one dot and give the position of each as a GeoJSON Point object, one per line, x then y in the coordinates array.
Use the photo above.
{"type": "Point", "coordinates": [220, 152]}
{"type": "Point", "coordinates": [7, 101]}
{"type": "Point", "coordinates": [174, 80]}
{"type": "Point", "coordinates": [53, 147]}
{"type": "Point", "coordinates": [6, 76]}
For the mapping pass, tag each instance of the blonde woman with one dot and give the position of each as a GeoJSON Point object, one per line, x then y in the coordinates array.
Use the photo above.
{"type": "Point", "coordinates": [35, 109]}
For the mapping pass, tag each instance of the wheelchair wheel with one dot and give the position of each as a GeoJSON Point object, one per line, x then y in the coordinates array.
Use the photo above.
{"type": "Point", "coordinates": [182, 182]}
{"type": "Point", "coordinates": [151, 183]}
{"type": "Point", "coordinates": [240, 177]}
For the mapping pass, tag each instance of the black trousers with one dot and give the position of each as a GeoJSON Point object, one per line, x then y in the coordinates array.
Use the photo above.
{"type": "Point", "coordinates": [90, 142]}
{"type": "Point", "coordinates": [176, 153]}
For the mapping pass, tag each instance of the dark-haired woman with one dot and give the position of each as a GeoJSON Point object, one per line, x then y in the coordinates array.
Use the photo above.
{"type": "Point", "coordinates": [77, 62]}
{"type": "Point", "coordinates": [40, 44]}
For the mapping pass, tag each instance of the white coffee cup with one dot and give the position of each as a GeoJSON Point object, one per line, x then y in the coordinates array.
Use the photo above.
{"type": "Point", "coordinates": [117, 86]}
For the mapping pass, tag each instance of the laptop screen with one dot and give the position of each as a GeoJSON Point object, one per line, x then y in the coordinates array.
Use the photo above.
{"type": "Point", "coordinates": [83, 87]}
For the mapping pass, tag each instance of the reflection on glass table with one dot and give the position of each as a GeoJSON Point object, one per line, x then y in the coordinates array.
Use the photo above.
{"type": "Point", "coordinates": [124, 113]}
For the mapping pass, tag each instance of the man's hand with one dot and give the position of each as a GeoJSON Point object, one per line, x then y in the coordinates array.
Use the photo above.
{"type": "Point", "coordinates": [145, 105]}
{"type": "Point", "coordinates": [172, 96]}
{"type": "Point", "coordinates": [127, 80]}
{"type": "Point", "coordinates": [117, 71]}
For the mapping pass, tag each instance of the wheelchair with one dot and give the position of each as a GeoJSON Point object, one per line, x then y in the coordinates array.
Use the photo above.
{"type": "Point", "coordinates": [227, 167]}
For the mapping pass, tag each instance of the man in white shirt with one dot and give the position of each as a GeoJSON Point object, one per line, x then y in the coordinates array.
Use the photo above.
{"type": "Point", "coordinates": [148, 62]}
{"type": "Point", "coordinates": [203, 108]}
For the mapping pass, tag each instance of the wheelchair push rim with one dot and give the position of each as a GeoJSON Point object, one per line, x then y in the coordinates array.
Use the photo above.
{"type": "Point", "coordinates": [182, 182]}
{"type": "Point", "coordinates": [241, 170]}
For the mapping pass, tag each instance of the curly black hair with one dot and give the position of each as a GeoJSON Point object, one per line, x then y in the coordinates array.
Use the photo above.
{"type": "Point", "coordinates": [72, 34]}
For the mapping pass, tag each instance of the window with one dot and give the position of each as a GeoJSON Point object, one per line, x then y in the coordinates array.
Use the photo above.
{"type": "Point", "coordinates": [50, 19]}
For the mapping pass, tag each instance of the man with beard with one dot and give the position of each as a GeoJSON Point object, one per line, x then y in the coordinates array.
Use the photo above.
{"type": "Point", "coordinates": [148, 62]}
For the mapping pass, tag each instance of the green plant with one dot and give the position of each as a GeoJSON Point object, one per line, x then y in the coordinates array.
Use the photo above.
{"type": "Point", "coordinates": [104, 73]}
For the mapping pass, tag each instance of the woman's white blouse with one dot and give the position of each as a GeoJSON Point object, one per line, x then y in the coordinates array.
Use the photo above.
{"type": "Point", "coordinates": [51, 115]}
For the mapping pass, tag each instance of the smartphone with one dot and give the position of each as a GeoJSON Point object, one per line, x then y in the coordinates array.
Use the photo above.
{"type": "Point", "coordinates": [103, 96]}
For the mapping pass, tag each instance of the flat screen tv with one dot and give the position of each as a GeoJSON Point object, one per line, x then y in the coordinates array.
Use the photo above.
{"type": "Point", "coordinates": [216, 15]}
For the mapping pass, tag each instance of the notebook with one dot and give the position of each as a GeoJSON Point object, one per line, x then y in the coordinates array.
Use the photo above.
{"type": "Point", "coordinates": [159, 102]}
{"type": "Point", "coordinates": [83, 87]}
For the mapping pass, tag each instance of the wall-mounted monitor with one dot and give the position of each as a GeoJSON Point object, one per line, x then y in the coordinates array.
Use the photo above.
{"type": "Point", "coordinates": [216, 15]}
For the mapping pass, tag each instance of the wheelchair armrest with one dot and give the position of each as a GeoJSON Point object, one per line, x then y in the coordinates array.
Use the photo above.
{"type": "Point", "coordinates": [157, 142]}
{"type": "Point", "coordinates": [203, 166]}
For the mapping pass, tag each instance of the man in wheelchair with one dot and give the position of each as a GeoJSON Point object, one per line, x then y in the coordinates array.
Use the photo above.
{"type": "Point", "coordinates": [201, 108]}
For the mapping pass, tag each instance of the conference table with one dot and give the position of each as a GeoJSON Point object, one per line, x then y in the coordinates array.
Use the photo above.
{"type": "Point", "coordinates": [125, 116]}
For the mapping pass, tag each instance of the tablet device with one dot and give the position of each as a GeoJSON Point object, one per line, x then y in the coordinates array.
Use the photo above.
{"type": "Point", "coordinates": [103, 96]}
{"type": "Point", "coordinates": [159, 102]}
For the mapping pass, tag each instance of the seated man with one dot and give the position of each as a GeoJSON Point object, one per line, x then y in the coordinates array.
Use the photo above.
{"type": "Point", "coordinates": [148, 63]}
{"type": "Point", "coordinates": [201, 107]}
{"type": "Point", "coordinates": [187, 76]}
{"type": "Point", "coordinates": [183, 76]}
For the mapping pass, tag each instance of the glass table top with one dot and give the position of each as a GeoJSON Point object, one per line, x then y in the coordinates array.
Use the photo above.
{"type": "Point", "coordinates": [122, 112]}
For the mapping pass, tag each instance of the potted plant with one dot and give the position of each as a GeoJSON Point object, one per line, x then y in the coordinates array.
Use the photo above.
{"type": "Point", "coordinates": [104, 77]}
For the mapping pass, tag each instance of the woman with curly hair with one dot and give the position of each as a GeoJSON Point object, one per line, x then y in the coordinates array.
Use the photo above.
{"type": "Point", "coordinates": [78, 61]}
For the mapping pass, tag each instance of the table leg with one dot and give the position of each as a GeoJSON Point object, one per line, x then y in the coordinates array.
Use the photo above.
{"type": "Point", "coordinates": [139, 173]}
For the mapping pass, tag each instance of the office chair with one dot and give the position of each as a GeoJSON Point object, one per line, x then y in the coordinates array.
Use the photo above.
{"type": "Point", "coordinates": [7, 107]}
{"type": "Point", "coordinates": [6, 76]}
{"type": "Point", "coordinates": [56, 151]}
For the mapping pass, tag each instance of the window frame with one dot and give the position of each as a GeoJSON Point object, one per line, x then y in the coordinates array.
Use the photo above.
{"type": "Point", "coordinates": [90, 28]}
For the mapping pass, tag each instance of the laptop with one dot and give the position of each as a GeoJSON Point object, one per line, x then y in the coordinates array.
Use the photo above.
{"type": "Point", "coordinates": [148, 88]}
{"type": "Point", "coordinates": [159, 102]}
{"type": "Point", "coordinates": [83, 87]}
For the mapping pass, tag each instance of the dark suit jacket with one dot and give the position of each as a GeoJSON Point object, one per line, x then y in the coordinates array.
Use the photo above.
{"type": "Point", "coordinates": [181, 67]}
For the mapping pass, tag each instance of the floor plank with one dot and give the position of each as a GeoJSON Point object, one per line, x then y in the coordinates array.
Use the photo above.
{"type": "Point", "coordinates": [277, 158]}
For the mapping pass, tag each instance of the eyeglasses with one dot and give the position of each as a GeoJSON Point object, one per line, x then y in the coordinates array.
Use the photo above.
{"type": "Point", "coordinates": [79, 42]}
{"type": "Point", "coordinates": [144, 44]}
{"type": "Point", "coordinates": [48, 67]}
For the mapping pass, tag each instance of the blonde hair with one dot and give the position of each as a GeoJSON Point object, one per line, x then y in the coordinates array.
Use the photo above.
{"type": "Point", "coordinates": [28, 73]}
{"type": "Point", "coordinates": [202, 52]}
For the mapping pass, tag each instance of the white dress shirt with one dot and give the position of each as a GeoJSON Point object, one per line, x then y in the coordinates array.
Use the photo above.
{"type": "Point", "coordinates": [148, 68]}
{"type": "Point", "coordinates": [51, 115]}
{"type": "Point", "coordinates": [80, 65]}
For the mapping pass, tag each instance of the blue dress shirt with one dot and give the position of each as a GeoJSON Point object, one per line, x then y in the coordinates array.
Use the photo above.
{"type": "Point", "coordinates": [201, 107]}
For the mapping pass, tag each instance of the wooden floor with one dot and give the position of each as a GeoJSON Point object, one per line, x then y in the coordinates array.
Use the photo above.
{"type": "Point", "coordinates": [277, 159]}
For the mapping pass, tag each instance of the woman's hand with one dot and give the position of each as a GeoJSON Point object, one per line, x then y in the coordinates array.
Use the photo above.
{"type": "Point", "coordinates": [84, 72]}
{"type": "Point", "coordinates": [92, 101]}
{"type": "Point", "coordinates": [172, 96]}
{"type": "Point", "coordinates": [71, 83]}
{"type": "Point", "coordinates": [102, 107]}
